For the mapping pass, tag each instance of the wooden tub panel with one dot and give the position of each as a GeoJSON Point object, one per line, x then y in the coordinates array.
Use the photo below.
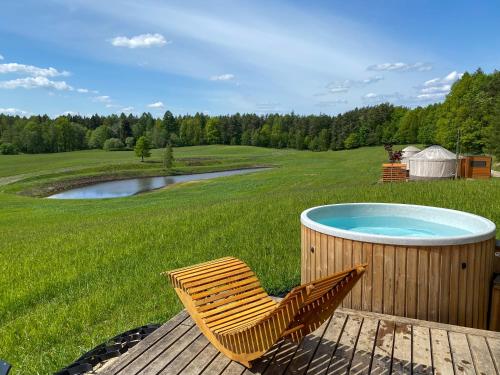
{"type": "Point", "coordinates": [447, 284]}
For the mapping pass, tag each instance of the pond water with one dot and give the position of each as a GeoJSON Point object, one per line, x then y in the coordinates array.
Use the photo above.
{"type": "Point", "coordinates": [132, 186]}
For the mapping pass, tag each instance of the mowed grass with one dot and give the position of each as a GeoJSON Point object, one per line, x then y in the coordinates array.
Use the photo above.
{"type": "Point", "coordinates": [75, 273]}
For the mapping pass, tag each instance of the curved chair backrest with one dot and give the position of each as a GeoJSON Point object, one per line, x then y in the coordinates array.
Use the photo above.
{"type": "Point", "coordinates": [227, 302]}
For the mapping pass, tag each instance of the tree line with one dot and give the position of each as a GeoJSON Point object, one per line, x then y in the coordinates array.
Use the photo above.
{"type": "Point", "coordinates": [472, 106]}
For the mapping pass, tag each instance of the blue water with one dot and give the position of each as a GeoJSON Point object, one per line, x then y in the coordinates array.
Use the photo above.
{"type": "Point", "coordinates": [393, 226]}
{"type": "Point", "coordinates": [132, 186]}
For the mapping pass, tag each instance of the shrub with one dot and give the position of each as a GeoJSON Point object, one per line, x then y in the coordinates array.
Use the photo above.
{"type": "Point", "coordinates": [130, 142]}
{"type": "Point", "coordinates": [8, 149]}
{"type": "Point", "coordinates": [113, 144]}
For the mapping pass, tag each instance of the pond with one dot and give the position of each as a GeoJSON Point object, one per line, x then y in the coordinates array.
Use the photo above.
{"type": "Point", "coordinates": [132, 186]}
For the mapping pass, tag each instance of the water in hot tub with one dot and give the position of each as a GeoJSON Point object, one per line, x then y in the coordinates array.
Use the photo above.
{"type": "Point", "coordinates": [394, 226]}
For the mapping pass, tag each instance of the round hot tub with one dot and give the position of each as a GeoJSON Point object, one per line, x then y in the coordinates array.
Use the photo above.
{"type": "Point", "coordinates": [424, 262]}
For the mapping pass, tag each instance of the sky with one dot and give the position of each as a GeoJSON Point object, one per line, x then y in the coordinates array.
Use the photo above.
{"type": "Point", "coordinates": [223, 57]}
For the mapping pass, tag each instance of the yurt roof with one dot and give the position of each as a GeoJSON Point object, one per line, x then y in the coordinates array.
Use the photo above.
{"type": "Point", "coordinates": [411, 149]}
{"type": "Point", "coordinates": [434, 153]}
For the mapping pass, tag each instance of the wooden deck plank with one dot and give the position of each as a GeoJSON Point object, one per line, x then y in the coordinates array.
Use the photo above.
{"type": "Point", "coordinates": [154, 365]}
{"type": "Point", "coordinates": [234, 368]}
{"type": "Point", "coordinates": [494, 347]}
{"type": "Point", "coordinates": [441, 353]}
{"type": "Point", "coordinates": [421, 351]}
{"type": "Point", "coordinates": [155, 350]}
{"type": "Point", "coordinates": [321, 360]}
{"type": "Point", "coordinates": [462, 358]}
{"type": "Point", "coordinates": [364, 348]}
{"type": "Point", "coordinates": [382, 354]}
{"type": "Point", "coordinates": [344, 352]}
{"type": "Point", "coordinates": [305, 351]}
{"type": "Point", "coordinates": [259, 366]}
{"type": "Point", "coordinates": [483, 362]}
{"type": "Point", "coordinates": [282, 358]}
{"type": "Point", "coordinates": [202, 360]}
{"type": "Point", "coordinates": [187, 355]}
{"type": "Point", "coordinates": [401, 356]}
{"type": "Point", "coordinates": [137, 351]}
{"type": "Point", "coordinates": [217, 365]}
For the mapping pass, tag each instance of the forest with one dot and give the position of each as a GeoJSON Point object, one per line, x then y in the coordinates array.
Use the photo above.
{"type": "Point", "coordinates": [472, 108]}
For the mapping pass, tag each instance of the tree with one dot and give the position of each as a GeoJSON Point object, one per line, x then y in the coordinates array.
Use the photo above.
{"type": "Point", "coordinates": [324, 140]}
{"type": "Point", "coordinates": [8, 149]}
{"type": "Point", "coordinates": [130, 142]}
{"type": "Point", "coordinates": [99, 136]}
{"type": "Point", "coordinates": [142, 148]}
{"type": "Point", "coordinates": [168, 157]}
{"type": "Point", "coordinates": [159, 134]}
{"type": "Point", "coordinates": [169, 122]}
{"type": "Point", "coordinates": [351, 141]}
{"type": "Point", "coordinates": [493, 143]}
{"type": "Point", "coordinates": [212, 130]}
{"type": "Point", "coordinates": [113, 144]}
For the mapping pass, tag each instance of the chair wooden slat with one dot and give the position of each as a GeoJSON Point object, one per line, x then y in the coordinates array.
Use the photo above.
{"type": "Point", "coordinates": [220, 282]}
{"type": "Point", "coordinates": [235, 298]}
{"type": "Point", "coordinates": [236, 288]}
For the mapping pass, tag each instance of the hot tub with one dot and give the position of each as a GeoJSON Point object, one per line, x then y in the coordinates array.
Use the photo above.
{"type": "Point", "coordinates": [424, 262]}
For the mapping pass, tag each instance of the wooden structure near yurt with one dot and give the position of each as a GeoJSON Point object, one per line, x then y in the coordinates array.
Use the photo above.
{"type": "Point", "coordinates": [476, 166]}
{"type": "Point", "coordinates": [393, 172]}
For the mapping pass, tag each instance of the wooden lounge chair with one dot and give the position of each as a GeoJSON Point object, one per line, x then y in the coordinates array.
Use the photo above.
{"type": "Point", "coordinates": [226, 301]}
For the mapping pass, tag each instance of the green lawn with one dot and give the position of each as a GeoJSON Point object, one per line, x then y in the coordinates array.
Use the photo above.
{"type": "Point", "coordinates": [75, 273]}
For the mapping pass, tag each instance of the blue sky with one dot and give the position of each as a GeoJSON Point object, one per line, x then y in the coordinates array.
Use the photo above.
{"type": "Point", "coordinates": [218, 57]}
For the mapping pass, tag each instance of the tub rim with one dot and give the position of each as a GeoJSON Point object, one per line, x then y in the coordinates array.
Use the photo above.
{"type": "Point", "coordinates": [488, 233]}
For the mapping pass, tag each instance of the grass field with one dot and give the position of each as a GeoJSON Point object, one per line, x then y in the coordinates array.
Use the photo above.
{"type": "Point", "coordinates": [75, 273]}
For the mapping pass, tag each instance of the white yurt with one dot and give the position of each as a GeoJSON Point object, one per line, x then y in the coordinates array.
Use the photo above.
{"type": "Point", "coordinates": [433, 162]}
{"type": "Point", "coordinates": [408, 152]}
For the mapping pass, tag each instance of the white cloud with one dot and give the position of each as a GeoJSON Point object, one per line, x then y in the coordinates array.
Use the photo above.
{"type": "Point", "coordinates": [31, 70]}
{"type": "Point", "coordinates": [82, 91]}
{"type": "Point", "coordinates": [437, 88]}
{"type": "Point", "coordinates": [432, 90]}
{"type": "Point", "coordinates": [127, 109]}
{"type": "Point", "coordinates": [375, 98]}
{"type": "Point", "coordinates": [102, 99]}
{"type": "Point", "coordinates": [35, 82]}
{"type": "Point", "coordinates": [401, 67]}
{"type": "Point", "coordinates": [338, 87]}
{"type": "Point", "coordinates": [13, 111]}
{"type": "Point", "coordinates": [431, 97]}
{"type": "Point", "coordinates": [69, 113]}
{"type": "Point", "coordinates": [156, 105]}
{"type": "Point", "coordinates": [222, 77]}
{"type": "Point", "coordinates": [331, 103]}
{"type": "Point", "coordinates": [112, 106]}
{"type": "Point", "coordinates": [269, 107]}
{"type": "Point", "coordinates": [449, 79]}
{"type": "Point", "coordinates": [338, 90]}
{"type": "Point", "coordinates": [140, 41]}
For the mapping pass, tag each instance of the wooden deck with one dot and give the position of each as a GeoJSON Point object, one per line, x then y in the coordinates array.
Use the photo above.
{"type": "Point", "coordinates": [351, 342]}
